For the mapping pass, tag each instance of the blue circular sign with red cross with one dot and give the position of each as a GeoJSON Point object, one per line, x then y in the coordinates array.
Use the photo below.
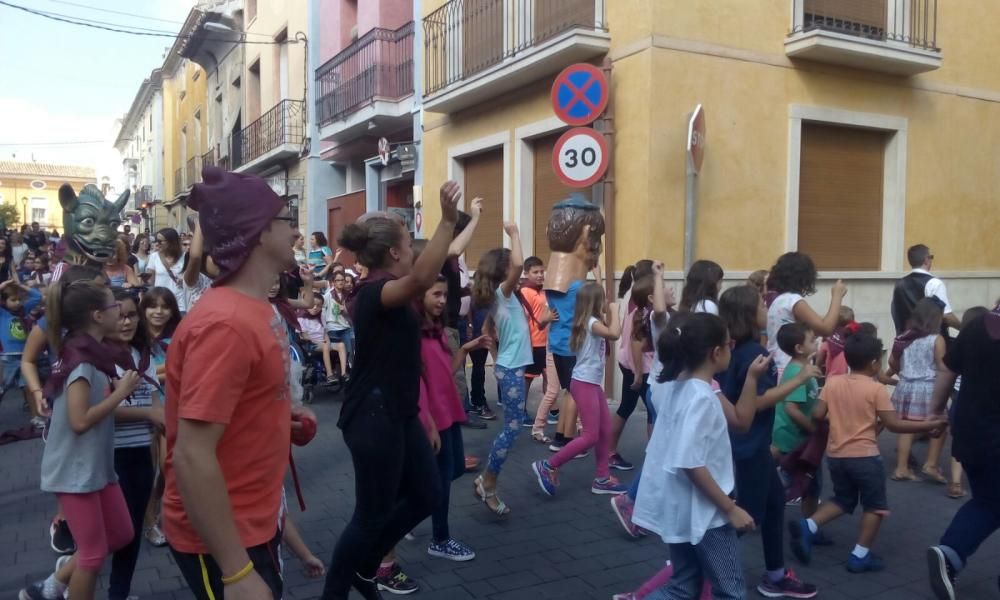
{"type": "Point", "coordinates": [579, 94]}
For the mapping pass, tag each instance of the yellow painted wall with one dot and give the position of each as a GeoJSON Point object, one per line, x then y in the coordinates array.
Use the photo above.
{"type": "Point", "coordinates": [736, 67]}
{"type": "Point", "coordinates": [272, 18]}
{"type": "Point", "coordinates": [12, 189]}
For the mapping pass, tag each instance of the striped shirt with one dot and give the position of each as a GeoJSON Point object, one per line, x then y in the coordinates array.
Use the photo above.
{"type": "Point", "coordinates": [136, 434]}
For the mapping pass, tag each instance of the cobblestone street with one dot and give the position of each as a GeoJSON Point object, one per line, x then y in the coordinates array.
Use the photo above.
{"type": "Point", "coordinates": [569, 546]}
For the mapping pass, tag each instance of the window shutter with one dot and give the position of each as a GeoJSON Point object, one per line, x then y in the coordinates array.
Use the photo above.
{"type": "Point", "coordinates": [548, 191]}
{"type": "Point", "coordinates": [484, 178]}
{"type": "Point", "coordinates": [840, 197]}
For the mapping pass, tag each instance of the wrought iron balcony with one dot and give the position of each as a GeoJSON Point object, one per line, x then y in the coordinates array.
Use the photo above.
{"type": "Point", "coordinates": [379, 65]}
{"type": "Point", "coordinates": [516, 41]}
{"type": "Point", "coordinates": [193, 170]}
{"type": "Point", "coordinates": [214, 158]}
{"type": "Point", "coordinates": [893, 36]}
{"type": "Point", "coordinates": [277, 134]}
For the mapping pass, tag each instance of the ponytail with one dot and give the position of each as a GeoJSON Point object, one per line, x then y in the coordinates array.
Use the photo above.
{"type": "Point", "coordinates": [68, 306]}
{"type": "Point", "coordinates": [626, 283]}
{"type": "Point", "coordinates": [687, 343]}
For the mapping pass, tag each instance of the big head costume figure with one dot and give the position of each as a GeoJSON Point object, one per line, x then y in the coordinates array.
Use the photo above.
{"type": "Point", "coordinates": [90, 223]}
{"type": "Point", "coordinates": [574, 230]}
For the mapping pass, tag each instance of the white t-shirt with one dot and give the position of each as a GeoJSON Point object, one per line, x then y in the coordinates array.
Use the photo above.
{"type": "Point", "coordinates": [590, 357]}
{"type": "Point", "coordinates": [690, 432]}
{"type": "Point", "coordinates": [707, 306]}
{"type": "Point", "coordinates": [936, 288]}
{"type": "Point", "coordinates": [780, 313]}
{"type": "Point", "coordinates": [162, 278]}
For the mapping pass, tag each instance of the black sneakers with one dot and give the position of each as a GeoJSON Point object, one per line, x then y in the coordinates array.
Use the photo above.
{"type": "Point", "coordinates": [60, 537]}
{"type": "Point", "coordinates": [942, 574]}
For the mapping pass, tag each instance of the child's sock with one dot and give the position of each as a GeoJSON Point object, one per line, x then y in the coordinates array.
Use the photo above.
{"type": "Point", "coordinates": [776, 575]}
{"type": "Point", "coordinates": [53, 588]}
{"type": "Point", "coordinates": [859, 551]}
{"type": "Point", "coordinates": [559, 437]}
{"type": "Point", "coordinates": [813, 527]}
{"type": "Point", "coordinates": [384, 569]}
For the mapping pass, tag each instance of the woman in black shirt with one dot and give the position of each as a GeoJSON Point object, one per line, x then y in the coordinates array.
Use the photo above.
{"type": "Point", "coordinates": [394, 467]}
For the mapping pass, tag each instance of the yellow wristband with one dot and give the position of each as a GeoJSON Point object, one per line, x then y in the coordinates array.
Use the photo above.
{"type": "Point", "coordinates": [239, 574]}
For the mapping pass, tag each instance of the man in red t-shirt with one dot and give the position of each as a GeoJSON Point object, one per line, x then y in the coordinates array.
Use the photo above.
{"type": "Point", "coordinates": [228, 407]}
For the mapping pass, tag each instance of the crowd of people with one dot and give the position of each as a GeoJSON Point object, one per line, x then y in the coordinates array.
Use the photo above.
{"type": "Point", "coordinates": [169, 384]}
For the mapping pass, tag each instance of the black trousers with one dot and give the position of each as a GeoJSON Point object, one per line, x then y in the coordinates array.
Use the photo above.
{"type": "Point", "coordinates": [204, 578]}
{"type": "Point", "coordinates": [760, 493]}
{"type": "Point", "coordinates": [134, 467]}
{"type": "Point", "coordinates": [397, 485]}
{"type": "Point", "coordinates": [477, 384]}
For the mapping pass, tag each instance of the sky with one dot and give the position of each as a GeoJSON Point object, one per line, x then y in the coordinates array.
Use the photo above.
{"type": "Point", "coordinates": [64, 83]}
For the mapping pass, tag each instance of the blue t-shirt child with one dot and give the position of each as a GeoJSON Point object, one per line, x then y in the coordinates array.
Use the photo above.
{"type": "Point", "coordinates": [561, 328]}
{"type": "Point", "coordinates": [13, 333]}
{"type": "Point", "coordinates": [758, 438]}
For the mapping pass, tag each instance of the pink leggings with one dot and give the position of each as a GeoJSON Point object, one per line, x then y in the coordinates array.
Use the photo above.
{"type": "Point", "coordinates": [592, 405]}
{"type": "Point", "coordinates": [100, 524]}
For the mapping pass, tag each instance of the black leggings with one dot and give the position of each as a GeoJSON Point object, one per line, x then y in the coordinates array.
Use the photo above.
{"type": "Point", "coordinates": [760, 493]}
{"type": "Point", "coordinates": [134, 467]}
{"type": "Point", "coordinates": [204, 578]}
{"type": "Point", "coordinates": [477, 384]}
{"type": "Point", "coordinates": [396, 484]}
{"type": "Point", "coordinates": [630, 397]}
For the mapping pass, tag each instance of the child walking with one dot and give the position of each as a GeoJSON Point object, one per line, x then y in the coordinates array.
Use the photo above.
{"type": "Point", "coordinates": [593, 324]}
{"type": "Point", "coordinates": [493, 286]}
{"type": "Point", "coordinates": [532, 297]}
{"type": "Point", "coordinates": [918, 355]}
{"type": "Point", "coordinates": [78, 459]}
{"type": "Point", "coordinates": [854, 404]}
{"type": "Point", "coordinates": [685, 494]}
{"type": "Point", "coordinates": [831, 352]}
{"type": "Point", "coordinates": [441, 413]}
{"type": "Point", "coordinates": [141, 413]}
{"type": "Point", "coordinates": [793, 422]}
{"type": "Point", "coordinates": [758, 486]}
{"type": "Point", "coordinates": [635, 359]}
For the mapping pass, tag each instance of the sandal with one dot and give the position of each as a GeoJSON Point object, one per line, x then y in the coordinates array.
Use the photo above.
{"type": "Point", "coordinates": [479, 489]}
{"type": "Point", "coordinates": [539, 436]}
{"type": "Point", "coordinates": [955, 490]}
{"type": "Point", "coordinates": [934, 474]}
{"type": "Point", "coordinates": [909, 476]}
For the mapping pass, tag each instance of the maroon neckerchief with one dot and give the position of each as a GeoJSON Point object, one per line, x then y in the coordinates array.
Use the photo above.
{"type": "Point", "coordinates": [770, 297]}
{"type": "Point", "coordinates": [77, 349]}
{"type": "Point", "coordinates": [121, 354]}
{"type": "Point", "coordinates": [373, 278]}
{"type": "Point", "coordinates": [903, 341]}
{"type": "Point", "coordinates": [287, 312]}
{"type": "Point", "coordinates": [836, 342]}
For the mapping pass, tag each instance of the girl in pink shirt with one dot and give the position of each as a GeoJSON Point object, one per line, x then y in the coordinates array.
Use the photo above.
{"type": "Point", "coordinates": [441, 413]}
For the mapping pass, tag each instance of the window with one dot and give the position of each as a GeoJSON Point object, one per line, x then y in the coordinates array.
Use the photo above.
{"type": "Point", "coordinates": [281, 59]}
{"type": "Point", "coordinates": [841, 180]}
{"type": "Point", "coordinates": [253, 91]}
{"type": "Point", "coordinates": [38, 215]}
{"type": "Point", "coordinates": [484, 178]}
{"type": "Point", "coordinates": [547, 191]}
{"type": "Point", "coordinates": [251, 10]}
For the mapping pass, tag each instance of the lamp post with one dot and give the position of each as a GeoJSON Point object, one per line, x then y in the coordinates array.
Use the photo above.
{"type": "Point", "coordinates": [24, 208]}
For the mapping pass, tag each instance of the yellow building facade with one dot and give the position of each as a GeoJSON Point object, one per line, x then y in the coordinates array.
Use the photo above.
{"type": "Point", "coordinates": [847, 135]}
{"type": "Point", "coordinates": [33, 189]}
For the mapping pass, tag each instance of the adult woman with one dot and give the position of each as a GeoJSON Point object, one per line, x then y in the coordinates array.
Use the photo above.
{"type": "Point", "coordinates": [299, 249]}
{"type": "Point", "coordinates": [167, 265]}
{"type": "Point", "coordinates": [117, 271]}
{"type": "Point", "coordinates": [140, 250]}
{"type": "Point", "coordinates": [320, 257]}
{"type": "Point", "coordinates": [396, 477]}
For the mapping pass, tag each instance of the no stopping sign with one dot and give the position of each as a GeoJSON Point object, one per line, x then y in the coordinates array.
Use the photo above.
{"type": "Point", "coordinates": [580, 157]}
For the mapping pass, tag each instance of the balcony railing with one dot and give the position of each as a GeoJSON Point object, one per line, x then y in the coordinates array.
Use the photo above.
{"type": "Point", "coordinates": [193, 170]}
{"type": "Point", "coordinates": [283, 124]}
{"type": "Point", "coordinates": [465, 37]}
{"type": "Point", "coordinates": [179, 180]}
{"type": "Point", "coordinates": [214, 158]}
{"type": "Point", "coordinates": [909, 22]}
{"type": "Point", "coordinates": [378, 65]}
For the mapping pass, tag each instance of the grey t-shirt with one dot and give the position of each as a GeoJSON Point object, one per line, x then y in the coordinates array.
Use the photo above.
{"type": "Point", "coordinates": [590, 357]}
{"type": "Point", "coordinates": [75, 463]}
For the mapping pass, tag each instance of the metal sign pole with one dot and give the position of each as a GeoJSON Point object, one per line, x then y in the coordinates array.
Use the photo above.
{"type": "Point", "coordinates": [690, 194]}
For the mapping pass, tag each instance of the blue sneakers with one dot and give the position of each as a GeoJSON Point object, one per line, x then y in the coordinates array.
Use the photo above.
{"type": "Point", "coordinates": [451, 549]}
{"type": "Point", "coordinates": [608, 485]}
{"type": "Point", "coordinates": [871, 562]}
{"type": "Point", "coordinates": [547, 478]}
{"type": "Point", "coordinates": [802, 540]}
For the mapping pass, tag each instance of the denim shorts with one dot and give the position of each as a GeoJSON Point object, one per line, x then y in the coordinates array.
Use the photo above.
{"type": "Point", "coordinates": [859, 479]}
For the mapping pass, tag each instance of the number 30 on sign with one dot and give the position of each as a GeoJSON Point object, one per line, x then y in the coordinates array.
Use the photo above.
{"type": "Point", "coordinates": [580, 157]}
